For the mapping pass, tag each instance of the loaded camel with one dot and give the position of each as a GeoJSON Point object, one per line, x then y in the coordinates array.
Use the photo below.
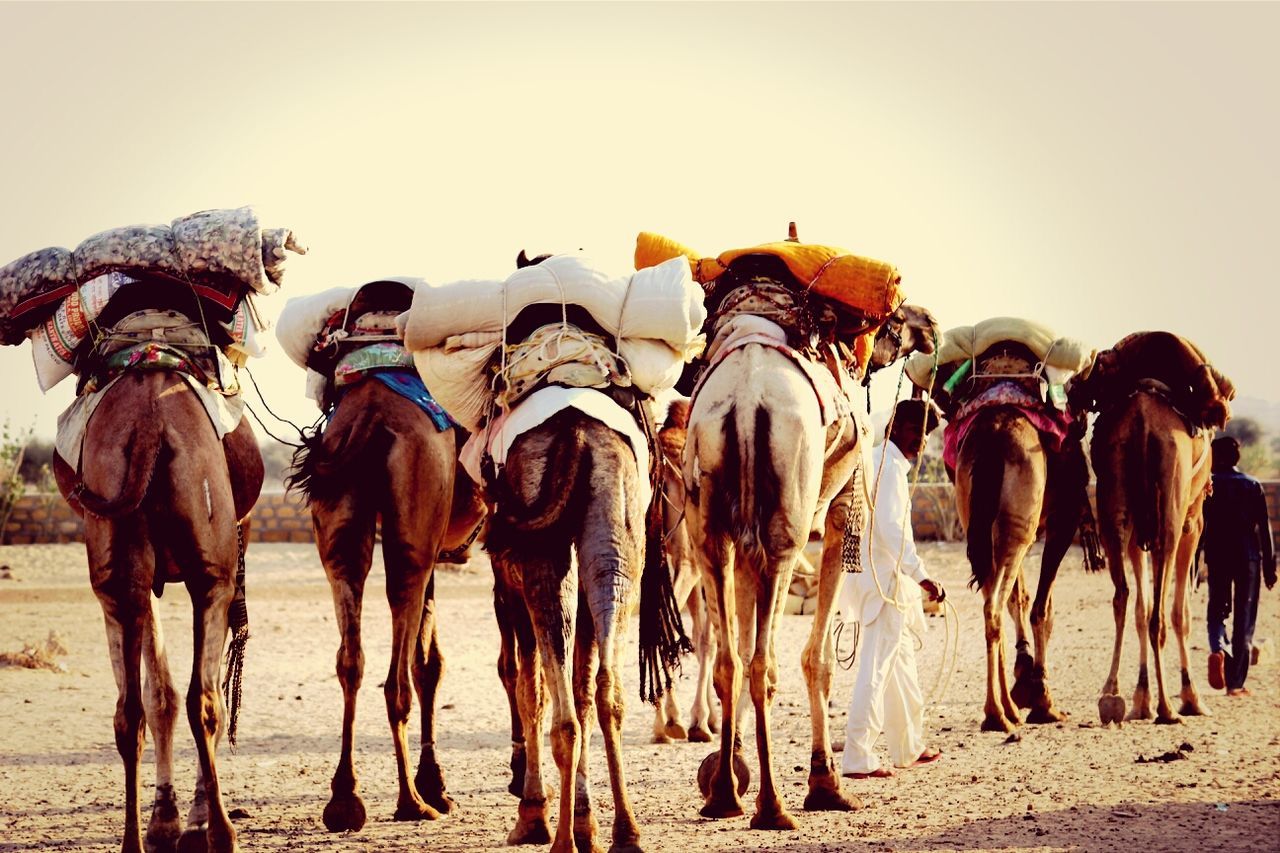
{"type": "Point", "coordinates": [767, 450]}
{"type": "Point", "coordinates": [1158, 400]}
{"type": "Point", "coordinates": [164, 501]}
{"type": "Point", "coordinates": [381, 458]}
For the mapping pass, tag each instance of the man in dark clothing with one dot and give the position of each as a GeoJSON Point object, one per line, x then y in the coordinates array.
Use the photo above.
{"type": "Point", "coordinates": [1238, 551]}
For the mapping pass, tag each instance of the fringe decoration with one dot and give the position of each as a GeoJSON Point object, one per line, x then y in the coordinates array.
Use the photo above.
{"type": "Point", "coordinates": [238, 618]}
{"type": "Point", "coordinates": [851, 542]}
{"type": "Point", "coordinates": [662, 636]}
{"type": "Point", "coordinates": [1094, 558]}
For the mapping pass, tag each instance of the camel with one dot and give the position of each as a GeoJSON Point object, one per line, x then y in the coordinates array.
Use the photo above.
{"type": "Point", "coordinates": [1153, 476]}
{"type": "Point", "coordinates": [381, 459]}
{"type": "Point", "coordinates": [564, 489]}
{"type": "Point", "coordinates": [163, 502]}
{"type": "Point", "coordinates": [758, 466]}
{"type": "Point", "coordinates": [1010, 483]}
{"type": "Point", "coordinates": [687, 584]}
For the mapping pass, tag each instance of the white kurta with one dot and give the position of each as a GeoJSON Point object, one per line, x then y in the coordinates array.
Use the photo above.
{"type": "Point", "coordinates": [886, 692]}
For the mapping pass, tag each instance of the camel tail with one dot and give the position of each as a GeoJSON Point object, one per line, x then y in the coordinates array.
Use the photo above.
{"type": "Point", "coordinates": [1143, 487]}
{"type": "Point", "coordinates": [746, 506]}
{"type": "Point", "coordinates": [564, 477]}
{"type": "Point", "coordinates": [139, 468]}
{"type": "Point", "coordinates": [359, 455]}
{"type": "Point", "coordinates": [984, 504]}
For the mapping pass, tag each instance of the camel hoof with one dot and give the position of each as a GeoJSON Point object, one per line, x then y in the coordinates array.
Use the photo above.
{"type": "Point", "coordinates": [775, 818]}
{"type": "Point", "coordinates": [344, 813]}
{"type": "Point", "coordinates": [415, 811]}
{"type": "Point", "coordinates": [997, 723]}
{"type": "Point", "coordinates": [699, 734]}
{"type": "Point", "coordinates": [165, 828]}
{"type": "Point", "coordinates": [825, 798]}
{"type": "Point", "coordinates": [1168, 720]}
{"type": "Point", "coordinates": [625, 847]}
{"type": "Point", "coordinates": [194, 840]}
{"type": "Point", "coordinates": [1041, 716]}
{"type": "Point", "coordinates": [662, 737]}
{"type": "Point", "coordinates": [1111, 709]}
{"type": "Point", "coordinates": [707, 771]}
{"type": "Point", "coordinates": [1193, 708]}
{"type": "Point", "coordinates": [722, 809]}
{"type": "Point", "coordinates": [429, 783]}
{"type": "Point", "coordinates": [714, 725]}
{"type": "Point", "coordinates": [675, 731]}
{"type": "Point", "coordinates": [1138, 713]}
{"type": "Point", "coordinates": [531, 825]}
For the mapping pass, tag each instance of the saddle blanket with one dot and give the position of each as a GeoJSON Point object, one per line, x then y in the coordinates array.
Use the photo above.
{"type": "Point", "coordinates": [539, 407]}
{"type": "Point", "coordinates": [1052, 423]}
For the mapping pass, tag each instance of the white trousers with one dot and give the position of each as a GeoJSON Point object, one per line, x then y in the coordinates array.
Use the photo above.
{"type": "Point", "coordinates": [886, 696]}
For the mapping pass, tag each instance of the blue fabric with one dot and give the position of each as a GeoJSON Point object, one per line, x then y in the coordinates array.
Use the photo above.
{"type": "Point", "coordinates": [1233, 590]}
{"type": "Point", "coordinates": [412, 388]}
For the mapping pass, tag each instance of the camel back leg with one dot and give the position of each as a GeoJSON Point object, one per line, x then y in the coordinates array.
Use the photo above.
{"type": "Point", "coordinates": [508, 609]}
{"type": "Point", "coordinates": [121, 569]}
{"type": "Point", "coordinates": [1141, 707]}
{"type": "Point", "coordinates": [1192, 706]}
{"type": "Point", "coordinates": [703, 720]}
{"type": "Point", "coordinates": [585, 826]}
{"type": "Point", "coordinates": [1110, 704]}
{"type": "Point", "coordinates": [428, 671]}
{"type": "Point", "coordinates": [1163, 558]}
{"type": "Point", "coordinates": [344, 531]}
{"type": "Point", "coordinates": [161, 702]}
{"type": "Point", "coordinates": [818, 660]}
{"type": "Point", "coordinates": [773, 580]}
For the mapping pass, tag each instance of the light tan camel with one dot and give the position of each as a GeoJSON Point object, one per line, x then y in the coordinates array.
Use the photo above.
{"type": "Point", "coordinates": [758, 467]}
{"type": "Point", "coordinates": [565, 488]}
{"type": "Point", "coordinates": [1010, 484]}
{"type": "Point", "coordinates": [162, 497]}
{"type": "Point", "coordinates": [382, 459]}
{"type": "Point", "coordinates": [1153, 475]}
{"type": "Point", "coordinates": [687, 583]}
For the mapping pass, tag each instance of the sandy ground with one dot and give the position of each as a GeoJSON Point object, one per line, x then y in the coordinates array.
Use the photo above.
{"type": "Point", "coordinates": [1070, 786]}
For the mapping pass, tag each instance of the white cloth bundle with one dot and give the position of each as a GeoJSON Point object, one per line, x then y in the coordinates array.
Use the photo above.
{"type": "Point", "coordinates": [1067, 356]}
{"type": "Point", "coordinates": [454, 330]}
{"type": "Point", "coordinates": [304, 317]}
{"type": "Point", "coordinates": [663, 302]}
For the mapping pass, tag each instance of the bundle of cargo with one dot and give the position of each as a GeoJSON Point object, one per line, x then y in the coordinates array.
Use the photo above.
{"type": "Point", "coordinates": [1170, 364]}
{"type": "Point", "coordinates": [1058, 359]}
{"type": "Point", "coordinates": [1002, 361]}
{"type": "Point", "coordinates": [344, 334]}
{"type": "Point", "coordinates": [578, 327]}
{"type": "Point", "coordinates": [866, 290]}
{"type": "Point", "coordinates": [220, 254]}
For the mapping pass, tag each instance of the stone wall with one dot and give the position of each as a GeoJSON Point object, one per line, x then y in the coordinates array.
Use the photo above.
{"type": "Point", "coordinates": [281, 517]}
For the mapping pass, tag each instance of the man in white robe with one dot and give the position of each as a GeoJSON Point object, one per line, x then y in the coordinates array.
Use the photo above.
{"type": "Point", "coordinates": [885, 597]}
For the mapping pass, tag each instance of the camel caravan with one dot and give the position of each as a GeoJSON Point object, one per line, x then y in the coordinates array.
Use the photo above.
{"type": "Point", "coordinates": [542, 416]}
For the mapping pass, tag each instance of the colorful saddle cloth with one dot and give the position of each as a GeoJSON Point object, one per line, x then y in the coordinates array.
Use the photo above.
{"type": "Point", "coordinates": [392, 365]}
{"type": "Point", "coordinates": [1052, 423]}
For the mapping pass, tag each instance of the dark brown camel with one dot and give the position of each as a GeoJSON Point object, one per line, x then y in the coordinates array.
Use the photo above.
{"type": "Point", "coordinates": [1153, 476]}
{"type": "Point", "coordinates": [161, 498]}
{"type": "Point", "coordinates": [381, 458]}
{"type": "Point", "coordinates": [1009, 485]}
{"type": "Point", "coordinates": [565, 489]}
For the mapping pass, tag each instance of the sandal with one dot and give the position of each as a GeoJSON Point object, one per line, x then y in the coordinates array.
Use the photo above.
{"type": "Point", "coordinates": [927, 757]}
{"type": "Point", "coordinates": [878, 773]}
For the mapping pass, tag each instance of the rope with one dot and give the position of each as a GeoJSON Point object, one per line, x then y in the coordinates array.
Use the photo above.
{"type": "Point", "coordinates": [238, 622]}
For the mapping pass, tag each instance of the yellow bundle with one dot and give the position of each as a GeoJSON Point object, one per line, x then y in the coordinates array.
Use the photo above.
{"type": "Point", "coordinates": [870, 287]}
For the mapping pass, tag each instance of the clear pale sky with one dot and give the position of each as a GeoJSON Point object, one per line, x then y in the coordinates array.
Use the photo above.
{"type": "Point", "coordinates": [1101, 168]}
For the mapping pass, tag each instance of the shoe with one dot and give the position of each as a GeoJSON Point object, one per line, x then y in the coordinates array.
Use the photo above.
{"type": "Point", "coordinates": [1239, 691]}
{"type": "Point", "coordinates": [927, 757]}
{"type": "Point", "coordinates": [1217, 670]}
{"type": "Point", "coordinates": [837, 746]}
{"type": "Point", "coordinates": [878, 773]}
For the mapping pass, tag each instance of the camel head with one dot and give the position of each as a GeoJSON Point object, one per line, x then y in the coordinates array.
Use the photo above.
{"type": "Point", "coordinates": [909, 329]}
{"type": "Point", "coordinates": [523, 260]}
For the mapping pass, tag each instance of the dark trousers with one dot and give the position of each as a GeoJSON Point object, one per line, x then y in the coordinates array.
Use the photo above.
{"type": "Point", "coordinates": [1233, 587]}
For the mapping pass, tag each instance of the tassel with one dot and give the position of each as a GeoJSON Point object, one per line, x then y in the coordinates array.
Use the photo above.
{"type": "Point", "coordinates": [851, 542]}
{"type": "Point", "coordinates": [1094, 559]}
{"type": "Point", "coordinates": [238, 619]}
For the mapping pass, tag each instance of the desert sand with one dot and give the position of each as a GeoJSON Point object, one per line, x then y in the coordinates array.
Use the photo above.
{"type": "Point", "coordinates": [1068, 786]}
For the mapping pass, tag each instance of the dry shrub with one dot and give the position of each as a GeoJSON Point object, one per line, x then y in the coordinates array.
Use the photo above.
{"type": "Point", "coordinates": [38, 655]}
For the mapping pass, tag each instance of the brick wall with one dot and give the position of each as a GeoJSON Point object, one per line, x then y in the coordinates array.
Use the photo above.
{"type": "Point", "coordinates": [281, 517]}
{"type": "Point", "coordinates": [40, 518]}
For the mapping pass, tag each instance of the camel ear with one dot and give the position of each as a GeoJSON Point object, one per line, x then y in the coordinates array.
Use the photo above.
{"type": "Point", "coordinates": [522, 260]}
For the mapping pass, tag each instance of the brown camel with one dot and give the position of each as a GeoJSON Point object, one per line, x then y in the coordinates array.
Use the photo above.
{"type": "Point", "coordinates": [563, 492]}
{"type": "Point", "coordinates": [1153, 476]}
{"type": "Point", "coordinates": [162, 498]}
{"type": "Point", "coordinates": [1009, 485]}
{"type": "Point", "coordinates": [758, 466]}
{"type": "Point", "coordinates": [382, 459]}
{"type": "Point", "coordinates": [687, 583]}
